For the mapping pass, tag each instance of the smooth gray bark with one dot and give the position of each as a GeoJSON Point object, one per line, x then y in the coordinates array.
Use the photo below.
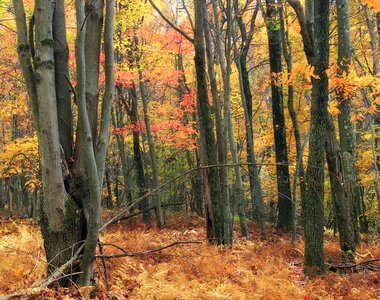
{"type": "Point", "coordinates": [62, 79]}
{"type": "Point", "coordinates": [54, 190]}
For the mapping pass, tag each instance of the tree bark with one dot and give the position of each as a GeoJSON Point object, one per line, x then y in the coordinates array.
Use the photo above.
{"type": "Point", "coordinates": [342, 205]}
{"type": "Point", "coordinates": [258, 211]}
{"type": "Point", "coordinates": [94, 25]}
{"type": "Point", "coordinates": [346, 128]}
{"type": "Point", "coordinates": [287, 51]}
{"type": "Point", "coordinates": [284, 220]}
{"type": "Point", "coordinates": [314, 206]}
{"type": "Point", "coordinates": [221, 142]}
{"type": "Point", "coordinates": [152, 151]}
{"type": "Point", "coordinates": [206, 124]}
{"type": "Point", "coordinates": [139, 165]}
{"type": "Point", "coordinates": [62, 79]}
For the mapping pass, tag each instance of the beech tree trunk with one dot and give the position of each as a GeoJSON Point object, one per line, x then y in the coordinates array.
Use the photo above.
{"type": "Point", "coordinates": [71, 188]}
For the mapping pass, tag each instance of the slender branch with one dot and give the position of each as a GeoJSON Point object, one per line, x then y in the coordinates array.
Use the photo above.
{"type": "Point", "coordinates": [188, 15]}
{"type": "Point", "coordinates": [125, 254]}
{"type": "Point", "coordinates": [170, 23]}
{"type": "Point", "coordinates": [125, 209]}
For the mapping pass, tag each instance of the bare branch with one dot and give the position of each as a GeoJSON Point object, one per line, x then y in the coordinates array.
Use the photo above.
{"type": "Point", "coordinates": [148, 251]}
{"type": "Point", "coordinates": [170, 23]}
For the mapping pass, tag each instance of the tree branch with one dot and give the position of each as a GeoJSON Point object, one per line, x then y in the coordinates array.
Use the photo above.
{"type": "Point", "coordinates": [307, 37]}
{"type": "Point", "coordinates": [125, 254]}
{"type": "Point", "coordinates": [170, 23]}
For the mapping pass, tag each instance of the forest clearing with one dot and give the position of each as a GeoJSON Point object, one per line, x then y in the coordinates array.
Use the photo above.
{"type": "Point", "coordinates": [190, 149]}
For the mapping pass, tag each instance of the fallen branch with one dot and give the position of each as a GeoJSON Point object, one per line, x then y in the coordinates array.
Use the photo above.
{"type": "Point", "coordinates": [353, 266]}
{"type": "Point", "coordinates": [125, 253]}
{"type": "Point", "coordinates": [101, 251]}
{"type": "Point", "coordinates": [59, 272]}
{"type": "Point", "coordinates": [34, 291]}
{"type": "Point", "coordinates": [29, 292]}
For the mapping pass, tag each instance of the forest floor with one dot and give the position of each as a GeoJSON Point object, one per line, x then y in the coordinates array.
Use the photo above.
{"type": "Point", "coordinates": [259, 268]}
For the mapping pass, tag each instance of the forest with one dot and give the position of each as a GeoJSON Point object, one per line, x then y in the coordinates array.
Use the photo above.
{"type": "Point", "coordinates": [190, 149]}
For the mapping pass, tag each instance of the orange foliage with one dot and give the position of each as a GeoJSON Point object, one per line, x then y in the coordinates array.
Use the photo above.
{"type": "Point", "coordinates": [267, 268]}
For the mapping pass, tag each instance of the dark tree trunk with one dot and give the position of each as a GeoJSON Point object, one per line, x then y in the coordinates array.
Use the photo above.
{"type": "Point", "coordinates": [287, 50]}
{"type": "Point", "coordinates": [258, 213]}
{"type": "Point", "coordinates": [206, 125]}
{"type": "Point", "coordinates": [139, 165]}
{"type": "Point", "coordinates": [117, 119]}
{"type": "Point", "coordinates": [221, 142]}
{"type": "Point", "coordinates": [60, 246]}
{"type": "Point", "coordinates": [284, 220]}
{"type": "Point", "coordinates": [314, 205]}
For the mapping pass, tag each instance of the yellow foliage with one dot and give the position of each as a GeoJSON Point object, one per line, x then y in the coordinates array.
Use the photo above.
{"type": "Point", "coordinates": [20, 157]}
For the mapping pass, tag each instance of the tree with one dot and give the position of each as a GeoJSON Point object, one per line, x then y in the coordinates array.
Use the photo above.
{"type": "Point", "coordinates": [241, 55]}
{"type": "Point", "coordinates": [288, 56]}
{"type": "Point", "coordinates": [315, 36]}
{"type": "Point", "coordinates": [284, 220]}
{"type": "Point", "coordinates": [206, 127]}
{"type": "Point", "coordinates": [346, 133]}
{"type": "Point", "coordinates": [70, 184]}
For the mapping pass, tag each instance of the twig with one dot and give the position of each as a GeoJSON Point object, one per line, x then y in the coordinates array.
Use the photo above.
{"type": "Point", "coordinates": [104, 264]}
{"type": "Point", "coordinates": [125, 209]}
{"type": "Point", "coordinates": [147, 251]}
{"type": "Point", "coordinates": [37, 259]}
{"type": "Point", "coordinates": [113, 245]}
{"type": "Point", "coordinates": [56, 275]}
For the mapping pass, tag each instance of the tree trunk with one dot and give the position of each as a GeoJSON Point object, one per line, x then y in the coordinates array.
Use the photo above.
{"type": "Point", "coordinates": [62, 79]}
{"type": "Point", "coordinates": [341, 197]}
{"type": "Point", "coordinates": [284, 220]}
{"type": "Point", "coordinates": [152, 151]}
{"type": "Point", "coordinates": [139, 165]}
{"type": "Point", "coordinates": [314, 205]}
{"type": "Point", "coordinates": [206, 125]}
{"type": "Point", "coordinates": [258, 211]}
{"type": "Point", "coordinates": [346, 128]}
{"type": "Point", "coordinates": [371, 28]}
{"type": "Point", "coordinates": [287, 50]}
{"type": "Point", "coordinates": [67, 188]}
{"type": "Point", "coordinates": [225, 68]}
{"type": "Point", "coordinates": [221, 142]}
{"type": "Point", "coordinates": [94, 25]}
{"type": "Point", "coordinates": [117, 119]}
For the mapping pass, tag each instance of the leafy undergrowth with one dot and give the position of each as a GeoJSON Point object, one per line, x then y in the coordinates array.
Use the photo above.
{"type": "Point", "coordinates": [260, 268]}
